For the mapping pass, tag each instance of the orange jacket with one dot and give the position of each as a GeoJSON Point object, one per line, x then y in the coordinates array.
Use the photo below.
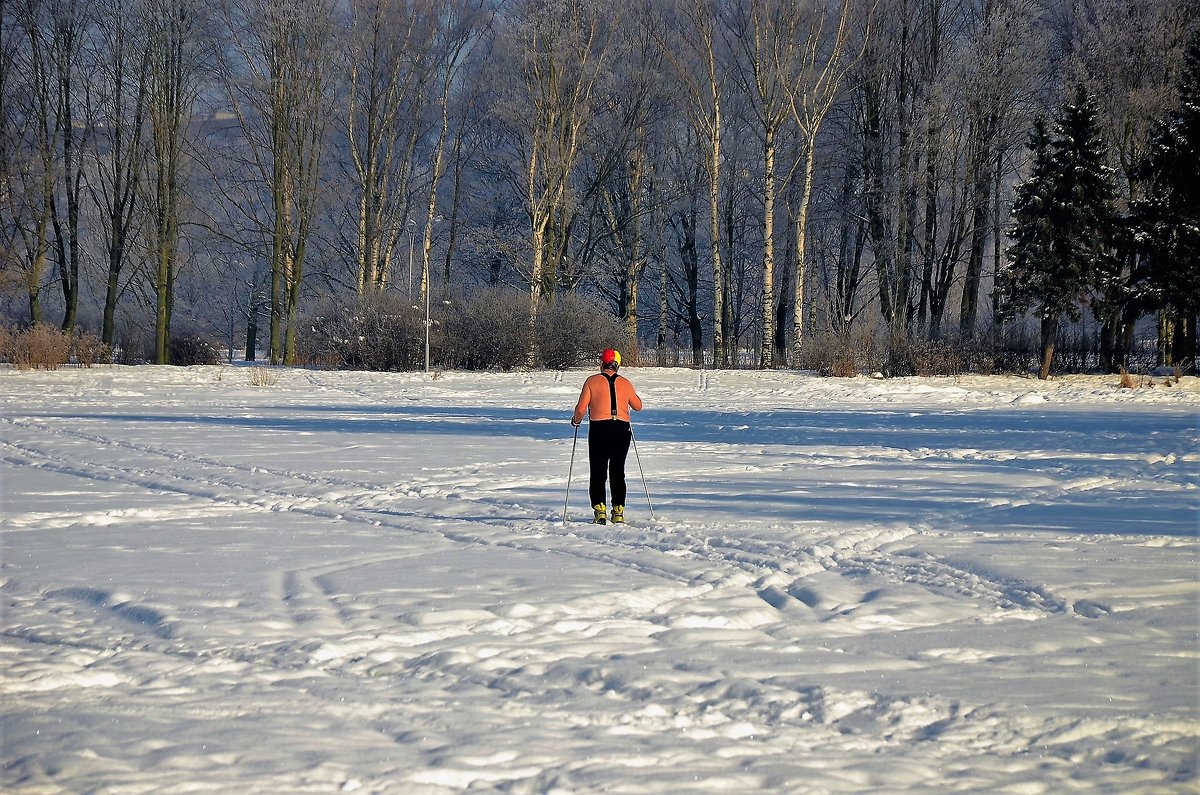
{"type": "Point", "coordinates": [596, 400]}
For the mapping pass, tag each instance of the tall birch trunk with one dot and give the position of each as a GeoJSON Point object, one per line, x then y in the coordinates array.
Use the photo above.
{"type": "Point", "coordinates": [766, 358]}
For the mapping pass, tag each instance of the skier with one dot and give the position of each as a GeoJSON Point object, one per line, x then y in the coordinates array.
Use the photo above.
{"type": "Point", "coordinates": [607, 398]}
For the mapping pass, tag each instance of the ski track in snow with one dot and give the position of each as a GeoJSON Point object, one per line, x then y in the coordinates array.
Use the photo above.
{"type": "Point", "coordinates": [328, 500]}
{"type": "Point", "coordinates": [757, 653]}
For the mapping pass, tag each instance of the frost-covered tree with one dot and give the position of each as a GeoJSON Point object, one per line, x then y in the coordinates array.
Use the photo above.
{"type": "Point", "coordinates": [1167, 221]}
{"type": "Point", "coordinates": [180, 46]}
{"type": "Point", "coordinates": [280, 86]}
{"type": "Point", "coordinates": [1063, 223]}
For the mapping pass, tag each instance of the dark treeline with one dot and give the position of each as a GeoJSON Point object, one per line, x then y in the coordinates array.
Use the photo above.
{"type": "Point", "coordinates": [746, 181]}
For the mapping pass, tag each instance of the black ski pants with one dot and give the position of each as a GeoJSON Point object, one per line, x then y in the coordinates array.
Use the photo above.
{"type": "Point", "coordinates": [608, 445]}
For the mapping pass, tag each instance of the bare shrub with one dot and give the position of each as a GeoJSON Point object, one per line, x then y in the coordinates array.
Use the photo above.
{"type": "Point", "coordinates": [573, 330]}
{"type": "Point", "coordinates": [136, 343]}
{"type": "Point", "coordinates": [88, 350]}
{"type": "Point", "coordinates": [41, 346]}
{"type": "Point", "coordinates": [842, 355]}
{"type": "Point", "coordinates": [938, 357]}
{"type": "Point", "coordinates": [8, 341]}
{"type": "Point", "coordinates": [46, 347]}
{"type": "Point", "coordinates": [379, 331]}
{"type": "Point", "coordinates": [828, 354]}
{"type": "Point", "coordinates": [489, 330]}
{"type": "Point", "coordinates": [1013, 350]}
{"type": "Point", "coordinates": [263, 376]}
{"type": "Point", "coordinates": [486, 330]}
{"type": "Point", "coordinates": [193, 350]}
{"type": "Point", "coordinates": [900, 360]}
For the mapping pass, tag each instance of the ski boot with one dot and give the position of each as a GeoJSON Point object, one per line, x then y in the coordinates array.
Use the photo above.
{"type": "Point", "coordinates": [618, 514]}
{"type": "Point", "coordinates": [601, 514]}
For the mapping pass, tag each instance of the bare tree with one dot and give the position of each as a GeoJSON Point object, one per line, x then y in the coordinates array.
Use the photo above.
{"type": "Point", "coordinates": [53, 136]}
{"type": "Point", "coordinates": [11, 132]}
{"type": "Point", "coordinates": [842, 268]}
{"type": "Point", "coordinates": [390, 70]}
{"type": "Point", "coordinates": [281, 91]}
{"type": "Point", "coordinates": [681, 286]}
{"type": "Point", "coordinates": [691, 47]}
{"type": "Point", "coordinates": [179, 44]}
{"type": "Point", "coordinates": [34, 124]}
{"type": "Point", "coordinates": [768, 33]}
{"type": "Point", "coordinates": [470, 138]}
{"type": "Point", "coordinates": [625, 162]}
{"type": "Point", "coordinates": [824, 62]}
{"type": "Point", "coordinates": [563, 45]}
{"type": "Point", "coordinates": [999, 83]}
{"type": "Point", "coordinates": [65, 28]}
{"type": "Point", "coordinates": [459, 27]}
{"type": "Point", "coordinates": [117, 107]}
{"type": "Point", "coordinates": [899, 142]}
{"type": "Point", "coordinates": [949, 73]}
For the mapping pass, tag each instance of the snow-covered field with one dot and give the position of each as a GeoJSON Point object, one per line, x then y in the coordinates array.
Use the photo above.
{"type": "Point", "coordinates": [362, 582]}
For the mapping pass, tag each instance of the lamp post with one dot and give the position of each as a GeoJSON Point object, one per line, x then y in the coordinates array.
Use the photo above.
{"type": "Point", "coordinates": [411, 229]}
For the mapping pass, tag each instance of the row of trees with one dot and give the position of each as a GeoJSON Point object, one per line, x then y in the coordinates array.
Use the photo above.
{"type": "Point", "coordinates": [1072, 246]}
{"type": "Point", "coordinates": [731, 176]}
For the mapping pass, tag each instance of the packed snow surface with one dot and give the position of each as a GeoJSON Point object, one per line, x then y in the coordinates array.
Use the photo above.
{"type": "Point", "coordinates": [363, 583]}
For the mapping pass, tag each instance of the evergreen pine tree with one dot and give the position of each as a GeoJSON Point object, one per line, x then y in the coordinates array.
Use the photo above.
{"type": "Point", "coordinates": [1063, 223]}
{"type": "Point", "coordinates": [1167, 221]}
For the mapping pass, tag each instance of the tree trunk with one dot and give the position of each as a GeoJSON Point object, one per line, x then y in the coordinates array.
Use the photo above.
{"type": "Point", "coordinates": [981, 194]}
{"type": "Point", "coordinates": [439, 167]}
{"type": "Point", "coordinates": [1109, 334]}
{"type": "Point", "coordinates": [1049, 337]}
{"type": "Point", "coordinates": [636, 261]}
{"type": "Point", "coordinates": [664, 309]}
{"type": "Point", "coordinates": [252, 327]}
{"type": "Point", "coordinates": [689, 258]}
{"type": "Point", "coordinates": [108, 325]}
{"type": "Point", "coordinates": [798, 301]}
{"type": "Point", "coordinates": [455, 202]}
{"type": "Point", "coordinates": [295, 280]}
{"type": "Point", "coordinates": [278, 257]}
{"type": "Point", "coordinates": [535, 291]}
{"type": "Point", "coordinates": [162, 317]}
{"type": "Point", "coordinates": [766, 359]}
{"type": "Point", "coordinates": [721, 357]}
{"type": "Point", "coordinates": [35, 302]}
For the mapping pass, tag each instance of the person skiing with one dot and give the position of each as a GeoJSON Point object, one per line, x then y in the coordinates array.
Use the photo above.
{"type": "Point", "coordinates": [606, 399]}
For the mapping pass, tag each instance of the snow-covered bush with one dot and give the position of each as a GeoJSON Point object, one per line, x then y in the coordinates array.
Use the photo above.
{"type": "Point", "coordinates": [488, 331]}
{"type": "Point", "coordinates": [382, 331]}
{"type": "Point", "coordinates": [192, 350]}
{"type": "Point", "coordinates": [573, 330]}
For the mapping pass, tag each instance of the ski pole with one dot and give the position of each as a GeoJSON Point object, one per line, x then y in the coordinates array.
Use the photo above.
{"type": "Point", "coordinates": [645, 488]}
{"type": "Point", "coordinates": [570, 469]}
